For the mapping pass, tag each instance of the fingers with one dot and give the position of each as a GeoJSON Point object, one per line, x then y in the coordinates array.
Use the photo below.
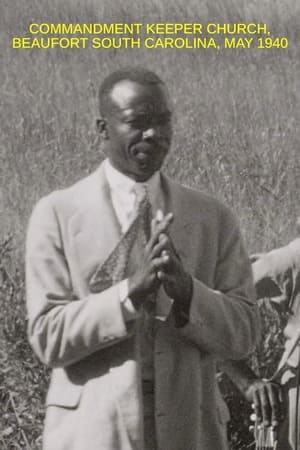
{"type": "Point", "coordinates": [169, 244]}
{"type": "Point", "coordinates": [159, 225]}
{"type": "Point", "coordinates": [261, 405]}
{"type": "Point", "coordinates": [160, 246]}
{"type": "Point", "coordinates": [159, 216]}
{"type": "Point", "coordinates": [267, 404]}
{"type": "Point", "coordinates": [164, 276]}
{"type": "Point", "coordinates": [274, 394]}
{"type": "Point", "coordinates": [159, 263]}
{"type": "Point", "coordinates": [159, 232]}
{"type": "Point", "coordinates": [257, 406]}
{"type": "Point", "coordinates": [161, 222]}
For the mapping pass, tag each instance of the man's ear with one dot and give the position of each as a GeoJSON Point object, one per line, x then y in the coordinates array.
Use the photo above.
{"type": "Point", "coordinates": [102, 128]}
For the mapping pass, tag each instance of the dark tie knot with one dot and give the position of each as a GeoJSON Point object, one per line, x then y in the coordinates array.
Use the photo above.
{"type": "Point", "coordinates": [141, 194]}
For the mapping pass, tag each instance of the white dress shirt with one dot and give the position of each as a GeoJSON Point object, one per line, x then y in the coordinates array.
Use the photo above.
{"type": "Point", "coordinates": [123, 193]}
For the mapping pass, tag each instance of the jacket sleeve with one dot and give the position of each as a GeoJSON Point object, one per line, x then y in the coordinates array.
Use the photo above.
{"type": "Point", "coordinates": [225, 320]}
{"type": "Point", "coordinates": [62, 328]}
{"type": "Point", "coordinates": [276, 272]}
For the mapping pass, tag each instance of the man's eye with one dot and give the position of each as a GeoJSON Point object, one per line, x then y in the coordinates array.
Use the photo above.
{"type": "Point", "coordinates": [140, 122]}
{"type": "Point", "coordinates": [145, 121]}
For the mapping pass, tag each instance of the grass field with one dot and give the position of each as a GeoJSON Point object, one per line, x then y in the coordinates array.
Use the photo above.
{"type": "Point", "coordinates": [235, 136]}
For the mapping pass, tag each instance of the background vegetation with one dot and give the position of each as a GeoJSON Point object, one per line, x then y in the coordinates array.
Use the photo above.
{"type": "Point", "coordinates": [235, 136]}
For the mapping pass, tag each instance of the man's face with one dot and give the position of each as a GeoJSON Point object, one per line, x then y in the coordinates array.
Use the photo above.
{"type": "Point", "coordinates": [138, 128]}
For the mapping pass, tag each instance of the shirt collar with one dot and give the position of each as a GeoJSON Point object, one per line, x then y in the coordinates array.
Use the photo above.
{"type": "Point", "coordinates": [117, 181]}
{"type": "Point", "coordinates": [120, 183]}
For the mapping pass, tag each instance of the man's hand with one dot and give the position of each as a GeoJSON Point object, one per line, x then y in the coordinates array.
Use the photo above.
{"type": "Point", "coordinates": [265, 395]}
{"type": "Point", "coordinates": [145, 281]}
{"type": "Point", "coordinates": [176, 281]}
{"type": "Point", "coordinates": [266, 399]}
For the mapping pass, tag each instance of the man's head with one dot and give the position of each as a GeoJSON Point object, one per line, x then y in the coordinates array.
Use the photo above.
{"type": "Point", "coordinates": [135, 121]}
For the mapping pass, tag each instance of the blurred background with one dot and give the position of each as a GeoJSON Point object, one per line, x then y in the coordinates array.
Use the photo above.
{"type": "Point", "coordinates": [235, 136]}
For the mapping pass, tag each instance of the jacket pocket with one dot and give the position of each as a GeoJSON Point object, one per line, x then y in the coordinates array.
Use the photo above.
{"type": "Point", "coordinates": [62, 392]}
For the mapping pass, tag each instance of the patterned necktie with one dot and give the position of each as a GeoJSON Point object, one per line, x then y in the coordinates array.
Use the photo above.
{"type": "Point", "coordinates": [114, 268]}
{"type": "Point", "coordinates": [145, 233]}
{"type": "Point", "coordinates": [144, 206]}
{"type": "Point", "coordinates": [147, 319]}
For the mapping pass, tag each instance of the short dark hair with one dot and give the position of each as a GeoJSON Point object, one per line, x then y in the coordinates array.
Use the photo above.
{"type": "Point", "coordinates": [137, 74]}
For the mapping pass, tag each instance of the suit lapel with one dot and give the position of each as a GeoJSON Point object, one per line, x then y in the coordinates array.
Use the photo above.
{"type": "Point", "coordinates": [96, 227]}
{"type": "Point", "coordinates": [175, 202]}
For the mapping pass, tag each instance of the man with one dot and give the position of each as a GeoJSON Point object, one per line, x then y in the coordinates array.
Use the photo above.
{"type": "Point", "coordinates": [277, 275]}
{"type": "Point", "coordinates": [132, 320]}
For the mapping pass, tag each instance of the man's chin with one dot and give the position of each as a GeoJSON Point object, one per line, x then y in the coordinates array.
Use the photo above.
{"type": "Point", "coordinates": [141, 177]}
{"type": "Point", "coordinates": [143, 170]}
{"type": "Point", "coordinates": [143, 173]}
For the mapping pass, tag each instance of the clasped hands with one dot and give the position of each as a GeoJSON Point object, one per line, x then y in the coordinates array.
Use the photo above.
{"type": "Point", "coordinates": [160, 264]}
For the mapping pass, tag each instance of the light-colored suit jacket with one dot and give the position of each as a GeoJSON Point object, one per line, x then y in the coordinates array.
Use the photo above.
{"type": "Point", "coordinates": [94, 399]}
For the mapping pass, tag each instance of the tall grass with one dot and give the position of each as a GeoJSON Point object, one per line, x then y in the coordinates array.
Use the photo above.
{"type": "Point", "coordinates": [235, 130]}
